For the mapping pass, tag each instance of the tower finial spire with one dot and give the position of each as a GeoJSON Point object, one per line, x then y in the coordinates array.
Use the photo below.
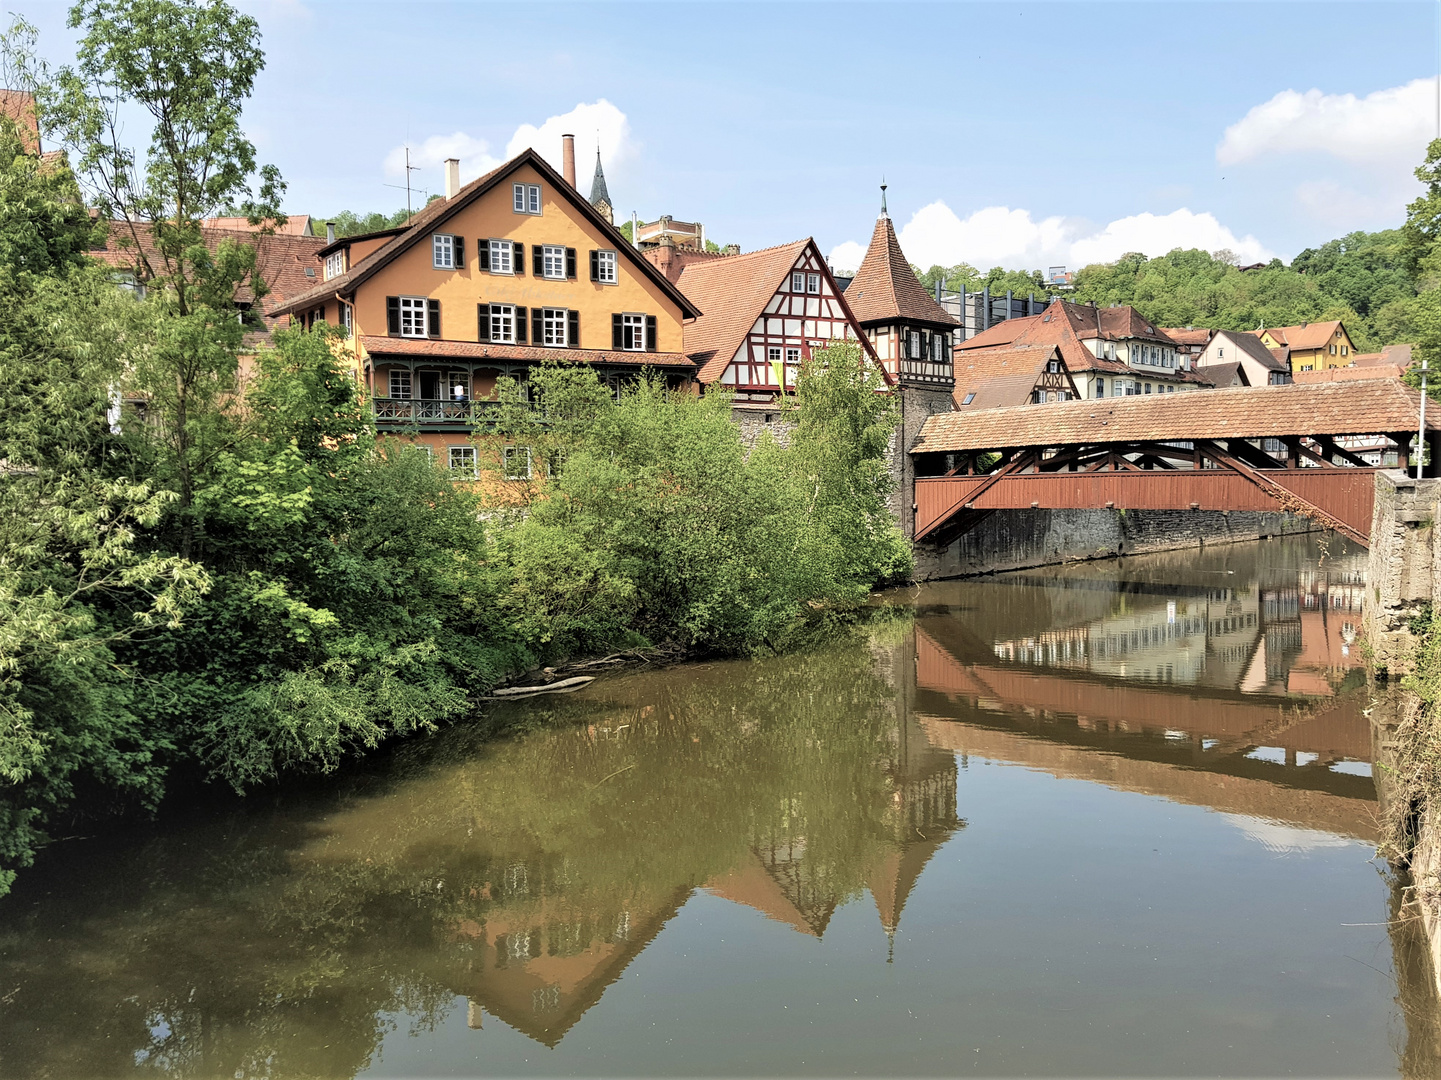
{"type": "Point", "coordinates": [884, 213]}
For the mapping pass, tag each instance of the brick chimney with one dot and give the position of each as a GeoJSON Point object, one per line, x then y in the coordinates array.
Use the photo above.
{"type": "Point", "coordinates": [567, 153]}
{"type": "Point", "coordinates": [452, 177]}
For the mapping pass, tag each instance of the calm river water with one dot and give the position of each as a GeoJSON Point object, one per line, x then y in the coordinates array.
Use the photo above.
{"type": "Point", "coordinates": [1116, 819]}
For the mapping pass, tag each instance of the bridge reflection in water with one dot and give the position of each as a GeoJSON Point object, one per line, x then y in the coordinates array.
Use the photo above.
{"type": "Point", "coordinates": [526, 876]}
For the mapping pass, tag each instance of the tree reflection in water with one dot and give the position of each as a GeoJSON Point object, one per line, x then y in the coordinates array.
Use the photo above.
{"type": "Point", "coordinates": [523, 874]}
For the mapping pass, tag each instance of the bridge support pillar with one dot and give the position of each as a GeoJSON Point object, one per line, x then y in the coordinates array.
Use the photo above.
{"type": "Point", "coordinates": [1402, 566]}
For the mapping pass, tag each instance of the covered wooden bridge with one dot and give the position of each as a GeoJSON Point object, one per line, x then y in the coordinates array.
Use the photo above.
{"type": "Point", "coordinates": [1293, 448]}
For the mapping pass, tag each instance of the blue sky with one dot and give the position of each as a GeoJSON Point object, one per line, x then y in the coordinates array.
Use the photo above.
{"type": "Point", "coordinates": [1024, 134]}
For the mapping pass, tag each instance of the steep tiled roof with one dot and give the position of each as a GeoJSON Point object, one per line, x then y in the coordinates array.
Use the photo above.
{"type": "Point", "coordinates": [470, 350]}
{"type": "Point", "coordinates": [1051, 327]}
{"type": "Point", "coordinates": [1316, 335]}
{"type": "Point", "coordinates": [294, 225]}
{"type": "Point", "coordinates": [1397, 355]}
{"type": "Point", "coordinates": [1355, 408]}
{"type": "Point", "coordinates": [1111, 323]}
{"type": "Point", "coordinates": [885, 288]}
{"type": "Point", "coordinates": [1349, 374]}
{"type": "Point", "coordinates": [1187, 335]}
{"type": "Point", "coordinates": [733, 293]}
{"type": "Point", "coordinates": [426, 221]}
{"type": "Point", "coordinates": [1000, 376]}
{"type": "Point", "coordinates": [1225, 375]}
{"type": "Point", "coordinates": [282, 260]}
{"type": "Point", "coordinates": [1251, 345]}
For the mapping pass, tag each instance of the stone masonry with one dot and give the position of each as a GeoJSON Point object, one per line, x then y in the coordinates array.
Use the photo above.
{"type": "Point", "coordinates": [1402, 567]}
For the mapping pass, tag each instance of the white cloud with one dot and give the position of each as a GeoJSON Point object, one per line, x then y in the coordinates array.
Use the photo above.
{"type": "Point", "coordinates": [847, 256]}
{"type": "Point", "coordinates": [1157, 234]}
{"type": "Point", "coordinates": [429, 156]}
{"type": "Point", "coordinates": [1002, 236]}
{"type": "Point", "coordinates": [588, 123]}
{"type": "Point", "coordinates": [1386, 128]}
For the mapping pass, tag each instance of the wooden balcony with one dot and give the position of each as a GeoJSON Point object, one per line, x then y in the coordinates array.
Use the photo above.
{"type": "Point", "coordinates": [431, 412]}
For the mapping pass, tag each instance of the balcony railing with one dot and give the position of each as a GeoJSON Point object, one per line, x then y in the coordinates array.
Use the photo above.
{"type": "Point", "coordinates": [431, 411]}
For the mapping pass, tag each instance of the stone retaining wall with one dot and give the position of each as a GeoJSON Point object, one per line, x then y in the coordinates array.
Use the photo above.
{"type": "Point", "coordinates": [1016, 539]}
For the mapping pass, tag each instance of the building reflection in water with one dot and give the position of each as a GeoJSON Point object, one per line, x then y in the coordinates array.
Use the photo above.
{"type": "Point", "coordinates": [1263, 636]}
{"type": "Point", "coordinates": [525, 875]}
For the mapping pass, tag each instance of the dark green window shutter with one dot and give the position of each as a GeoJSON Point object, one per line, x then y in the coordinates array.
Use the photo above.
{"type": "Point", "coordinates": [484, 246]}
{"type": "Point", "coordinates": [459, 246]}
{"type": "Point", "coordinates": [595, 266]}
{"type": "Point", "coordinates": [432, 323]}
{"type": "Point", "coordinates": [572, 336]}
{"type": "Point", "coordinates": [537, 260]}
{"type": "Point", "coordinates": [650, 333]}
{"type": "Point", "coordinates": [570, 263]}
{"type": "Point", "coordinates": [520, 317]}
{"type": "Point", "coordinates": [392, 314]}
{"type": "Point", "coordinates": [482, 322]}
{"type": "Point", "coordinates": [617, 332]}
{"type": "Point", "coordinates": [520, 258]}
{"type": "Point", "coordinates": [537, 317]}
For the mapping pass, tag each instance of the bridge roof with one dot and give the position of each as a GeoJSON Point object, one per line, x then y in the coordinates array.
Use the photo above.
{"type": "Point", "coordinates": [1368, 407]}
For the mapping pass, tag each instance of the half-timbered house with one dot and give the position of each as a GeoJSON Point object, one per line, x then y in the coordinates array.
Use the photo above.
{"type": "Point", "coordinates": [764, 313]}
{"type": "Point", "coordinates": [502, 274]}
{"type": "Point", "coordinates": [1012, 375]}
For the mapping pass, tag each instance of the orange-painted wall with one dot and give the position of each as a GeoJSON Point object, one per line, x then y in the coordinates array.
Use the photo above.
{"type": "Point", "coordinates": [493, 217]}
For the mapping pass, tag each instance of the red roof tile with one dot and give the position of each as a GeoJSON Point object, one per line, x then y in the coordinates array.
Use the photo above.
{"type": "Point", "coordinates": [19, 105]}
{"type": "Point", "coordinates": [1355, 408]}
{"type": "Point", "coordinates": [433, 215]}
{"type": "Point", "coordinates": [1000, 376]}
{"type": "Point", "coordinates": [885, 288]}
{"type": "Point", "coordinates": [425, 348]}
{"type": "Point", "coordinates": [281, 259]}
{"type": "Point", "coordinates": [1316, 335]}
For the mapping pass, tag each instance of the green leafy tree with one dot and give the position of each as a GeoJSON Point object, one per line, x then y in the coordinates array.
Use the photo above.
{"type": "Point", "coordinates": [188, 66]}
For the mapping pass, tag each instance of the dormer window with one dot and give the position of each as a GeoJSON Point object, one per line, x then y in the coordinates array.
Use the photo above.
{"type": "Point", "coordinates": [527, 198]}
{"type": "Point", "coordinates": [335, 264]}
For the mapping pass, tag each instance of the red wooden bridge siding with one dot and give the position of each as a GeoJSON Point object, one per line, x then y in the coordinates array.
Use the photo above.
{"type": "Point", "coordinates": [1347, 494]}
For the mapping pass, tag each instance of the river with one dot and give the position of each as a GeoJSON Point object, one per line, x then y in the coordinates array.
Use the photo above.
{"type": "Point", "coordinates": [1110, 819]}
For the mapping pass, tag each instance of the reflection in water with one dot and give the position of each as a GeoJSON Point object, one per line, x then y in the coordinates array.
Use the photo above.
{"type": "Point", "coordinates": [514, 883]}
{"type": "Point", "coordinates": [1283, 630]}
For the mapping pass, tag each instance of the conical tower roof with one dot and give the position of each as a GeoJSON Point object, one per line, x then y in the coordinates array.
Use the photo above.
{"type": "Point", "coordinates": [598, 191]}
{"type": "Point", "coordinates": [886, 289]}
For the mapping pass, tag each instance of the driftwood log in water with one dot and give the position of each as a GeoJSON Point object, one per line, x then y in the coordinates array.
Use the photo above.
{"type": "Point", "coordinates": [561, 686]}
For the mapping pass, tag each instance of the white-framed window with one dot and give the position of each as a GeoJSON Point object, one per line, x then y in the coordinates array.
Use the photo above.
{"type": "Point", "coordinates": [500, 256]}
{"type": "Point", "coordinates": [554, 261]}
{"type": "Point", "coordinates": [773, 354]}
{"type": "Point", "coordinates": [632, 328]}
{"type": "Point", "coordinates": [335, 264]}
{"type": "Point", "coordinates": [400, 383]}
{"type": "Point", "coordinates": [1100, 388]}
{"type": "Point", "coordinates": [553, 321]}
{"type": "Point", "coordinates": [442, 249]}
{"type": "Point", "coordinates": [527, 198]}
{"type": "Point", "coordinates": [813, 283]}
{"type": "Point", "coordinates": [606, 269]}
{"type": "Point", "coordinates": [346, 315]}
{"type": "Point", "coordinates": [798, 282]}
{"type": "Point", "coordinates": [793, 356]}
{"type": "Point", "coordinates": [938, 348]}
{"type": "Point", "coordinates": [913, 340]}
{"type": "Point", "coordinates": [502, 322]}
{"type": "Point", "coordinates": [459, 384]}
{"type": "Point", "coordinates": [412, 317]}
{"type": "Point", "coordinates": [462, 462]}
{"type": "Point", "coordinates": [517, 462]}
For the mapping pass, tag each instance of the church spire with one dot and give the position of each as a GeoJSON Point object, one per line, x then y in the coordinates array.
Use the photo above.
{"type": "Point", "coordinates": [599, 193]}
{"type": "Point", "coordinates": [883, 198]}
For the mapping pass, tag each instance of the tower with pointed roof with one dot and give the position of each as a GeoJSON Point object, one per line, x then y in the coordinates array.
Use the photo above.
{"type": "Point", "coordinates": [913, 337]}
{"type": "Point", "coordinates": [600, 194]}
